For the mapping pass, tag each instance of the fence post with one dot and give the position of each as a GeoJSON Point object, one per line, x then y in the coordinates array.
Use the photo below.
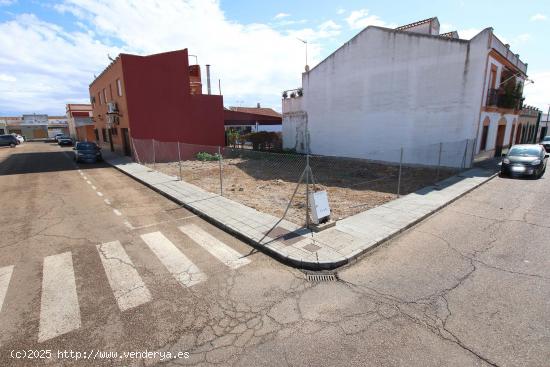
{"type": "Point", "coordinates": [221, 170]}
{"type": "Point", "coordinates": [438, 162]}
{"type": "Point", "coordinates": [154, 158]}
{"type": "Point", "coordinates": [399, 176]}
{"type": "Point", "coordinates": [179, 158]}
{"type": "Point", "coordinates": [307, 191]}
{"type": "Point", "coordinates": [465, 153]}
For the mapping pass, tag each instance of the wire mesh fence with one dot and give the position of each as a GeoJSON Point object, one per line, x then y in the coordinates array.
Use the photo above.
{"type": "Point", "coordinates": [276, 183]}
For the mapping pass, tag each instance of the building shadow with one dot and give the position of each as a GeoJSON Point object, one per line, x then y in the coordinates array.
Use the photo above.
{"type": "Point", "coordinates": [40, 162]}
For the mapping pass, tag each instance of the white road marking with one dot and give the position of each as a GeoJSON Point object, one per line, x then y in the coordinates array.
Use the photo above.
{"type": "Point", "coordinates": [217, 248]}
{"type": "Point", "coordinates": [128, 288]}
{"type": "Point", "coordinates": [93, 187]}
{"type": "Point", "coordinates": [107, 201]}
{"type": "Point", "coordinates": [128, 224]}
{"type": "Point", "coordinates": [59, 310]}
{"type": "Point", "coordinates": [99, 193]}
{"type": "Point", "coordinates": [5, 276]}
{"type": "Point", "coordinates": [84, 177]}
{"type": "Point", "coordinates": [89, 183]}
{"type": "Point", "coordinates": [117, 212]}
{"type": "Point", "coordinates": [185, 272]}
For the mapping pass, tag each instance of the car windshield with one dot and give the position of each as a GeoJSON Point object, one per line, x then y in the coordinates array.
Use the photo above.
{"type": "Point", "coordinates": [546, 138]}
{"type": "Point", "coordinates": [86, 146]}
{"type": "Point", "coordinates": [524, 151]}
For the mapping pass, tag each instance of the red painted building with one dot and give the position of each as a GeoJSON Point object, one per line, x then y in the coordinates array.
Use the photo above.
{"type": "Point", "coordinates": [154, 97]}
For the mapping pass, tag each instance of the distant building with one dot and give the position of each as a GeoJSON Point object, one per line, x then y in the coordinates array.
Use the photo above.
{"type": "Point", "coordinates": [526, 131]}
{"type": "Point", "coordinates": [57, 125]}
{"type": "Point", "coordinates": [408, 87]}
{"type": "Point", "coordinates": [252, 119]}
{"type": "Point", "coordinates": [81, 125]}
{"type": "Point", "coordinates": [154, 97]}
{"type": "Point", "coordinates": [544, 126]}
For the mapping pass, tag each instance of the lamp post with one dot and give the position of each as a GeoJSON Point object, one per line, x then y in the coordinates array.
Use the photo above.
{"type": "Point", "coordinates": [304, 42]}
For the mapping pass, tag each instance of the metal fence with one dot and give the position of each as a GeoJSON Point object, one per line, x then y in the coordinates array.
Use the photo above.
{"type": "Point", "coordinates": [278, 183]}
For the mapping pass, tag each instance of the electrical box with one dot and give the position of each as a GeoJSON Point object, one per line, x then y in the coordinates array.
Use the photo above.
{"type": "Point", "coordinates": [318, 206]}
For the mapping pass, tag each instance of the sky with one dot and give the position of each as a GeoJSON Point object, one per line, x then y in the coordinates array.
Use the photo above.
{"type": "Point", "coordinates": [51, 50]}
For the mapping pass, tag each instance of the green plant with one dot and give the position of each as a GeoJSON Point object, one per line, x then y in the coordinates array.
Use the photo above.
{"type": "Point", "coordinates": [205, 156]}
{"type": "Point", "coordinates": [232, 137]}
{"type": "Point", "coordinates": [285, 95]}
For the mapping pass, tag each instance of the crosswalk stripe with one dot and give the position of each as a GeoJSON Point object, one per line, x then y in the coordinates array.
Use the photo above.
{"type": "Point", "coordinates": [128, 288]}
{"type": "Point", "coordinates": [59, 310]}
{"type": "Point", "coordinates": [5, 276]}
{"type": "Point", "coordinates": [218, 249]}
{"type": "Point", "coordinates": [185, 272]}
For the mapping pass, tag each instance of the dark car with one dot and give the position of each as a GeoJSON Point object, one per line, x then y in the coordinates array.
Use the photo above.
{"type": "Point", "coordinates": [87, 152]}
{"type": "Point", "coordinates": [546, 143]}
{"type": "Point", "coordinates": [64, 140]}
{"type": "Point", "coordinates": [8, 141]}
{"type": "Point", "coordinates": [525, 160]}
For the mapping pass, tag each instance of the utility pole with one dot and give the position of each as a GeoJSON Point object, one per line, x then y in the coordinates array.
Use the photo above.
{"type": "Point", "coordinates": [304, 42]}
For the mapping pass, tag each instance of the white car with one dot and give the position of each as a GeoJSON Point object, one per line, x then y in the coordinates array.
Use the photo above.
{"type": "Point", "coordinates": [19, 137]}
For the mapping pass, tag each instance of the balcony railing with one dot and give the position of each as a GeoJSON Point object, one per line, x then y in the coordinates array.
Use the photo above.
{"type": "Point", "coordinates": [500, 98]}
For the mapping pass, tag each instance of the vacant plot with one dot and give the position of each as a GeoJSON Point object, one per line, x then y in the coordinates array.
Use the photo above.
{"type": "Point", "coordinates": [266, 181]}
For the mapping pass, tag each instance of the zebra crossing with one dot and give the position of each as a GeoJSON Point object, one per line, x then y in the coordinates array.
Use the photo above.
{"type": "Point", "coordinates": [59, 305]}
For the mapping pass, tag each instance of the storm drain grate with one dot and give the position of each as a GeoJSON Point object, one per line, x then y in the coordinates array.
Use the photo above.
{"type": "Point", "coordinates": [321, 277]}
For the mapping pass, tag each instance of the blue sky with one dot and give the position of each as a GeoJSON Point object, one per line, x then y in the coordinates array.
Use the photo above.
{"type": "Point", "coordinates": [50, 50]}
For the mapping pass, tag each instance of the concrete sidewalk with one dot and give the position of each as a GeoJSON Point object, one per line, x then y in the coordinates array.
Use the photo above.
{"type": "Point", "coordinates": [297, 246]}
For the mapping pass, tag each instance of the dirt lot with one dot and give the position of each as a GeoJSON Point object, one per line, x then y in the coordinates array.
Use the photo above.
{"type": "Point", "coordinates": [266, 182]}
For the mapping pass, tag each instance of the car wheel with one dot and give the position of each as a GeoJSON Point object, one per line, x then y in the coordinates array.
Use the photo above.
{"type": "Point", "coordinates": [12, 145]}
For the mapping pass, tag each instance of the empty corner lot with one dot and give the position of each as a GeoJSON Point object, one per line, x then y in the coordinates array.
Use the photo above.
{"type": "Point", "coordinates": [266, 181]}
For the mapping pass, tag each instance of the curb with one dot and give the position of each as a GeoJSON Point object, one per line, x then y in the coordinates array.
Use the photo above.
{"type": "Point", "coordinates": [295, 262]}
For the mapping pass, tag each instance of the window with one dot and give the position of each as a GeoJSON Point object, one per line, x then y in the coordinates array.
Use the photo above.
{"type": "Point", "coordinates": [114, 131]}
{"type": "Point", "coordinates": [96, 134]}
{"type": "Point", "coordinates": [99, 97]}
{"type": "Point", "coordinates": [119, 87]}
{"type": "Point", "coordinates": [104, 133]}
{"type": "Point", "coordinates": [110, 92]}
{"type": "Point", "coordinates": [104, 96]}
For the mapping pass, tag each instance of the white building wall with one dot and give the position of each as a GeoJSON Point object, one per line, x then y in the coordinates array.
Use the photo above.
{"type": "Point", "coordinates": [385, 89]}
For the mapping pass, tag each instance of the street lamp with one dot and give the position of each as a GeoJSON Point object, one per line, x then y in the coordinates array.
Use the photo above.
{"type": "Point", "coordinates": [305, 42]}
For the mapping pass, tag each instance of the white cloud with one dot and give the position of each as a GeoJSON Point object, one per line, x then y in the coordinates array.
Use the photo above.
{"type": "Point", "coordinates": [326, 29]}
{"type": "Point", "coordinates": [359, 19]}
{"type": "Point", "coordinates": [255, 62]}
{"type": "Point", "coordinates": [340, 11]}
{"type": "Point", "coordinates": [446, 27]}
{"type": "Point", "coordinates": [7, 78]}
{"type": "Point", "coordinates": [520, 39]}
{"type": "Point", "coordinates": [538, 94]}
{"type": "Point", "coordinates": [281, 15]}
{"type": "Point", "coordinates": [538, 16]}
{"type": "Point", "coordinates": [7, 2]}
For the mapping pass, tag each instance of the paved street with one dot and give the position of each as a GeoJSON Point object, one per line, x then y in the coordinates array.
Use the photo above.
{"type": "Point", "coordinates": [91, 260]}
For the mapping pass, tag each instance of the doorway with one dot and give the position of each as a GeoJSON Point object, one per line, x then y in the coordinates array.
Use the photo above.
{"type": "Point", "coordinates": [111, 139]}
{"type": "Point", "coordinates": [500, 140]}
{"type": "Point", "coordinates": [126, 142]}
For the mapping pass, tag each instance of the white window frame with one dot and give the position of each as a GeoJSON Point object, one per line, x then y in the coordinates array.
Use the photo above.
{"type": "Point", "coordinates": [119, 87]}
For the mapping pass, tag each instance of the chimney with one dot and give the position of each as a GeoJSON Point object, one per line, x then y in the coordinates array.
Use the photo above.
{"type": "Point", "coordinates": [258, 105]}
{"type": "Point", "coordinates": [208, 78]}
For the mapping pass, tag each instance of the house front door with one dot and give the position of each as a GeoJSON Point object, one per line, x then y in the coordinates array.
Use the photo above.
{"type": "Point", "coordinates": [125, 141]}
{"type": "Point", "coordinates": [500, 140]}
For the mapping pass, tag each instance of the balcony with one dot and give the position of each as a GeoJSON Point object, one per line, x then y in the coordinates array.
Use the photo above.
{"type": "Point", "coordinates": [504, 98]}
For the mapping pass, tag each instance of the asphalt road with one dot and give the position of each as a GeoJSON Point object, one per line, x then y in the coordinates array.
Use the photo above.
{"type": "Point", "coordinates": [92, 262]}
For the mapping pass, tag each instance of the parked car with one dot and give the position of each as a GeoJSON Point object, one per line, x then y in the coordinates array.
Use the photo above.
{"type": "Point", "coordinates": [58, 135]}
{"type": "Point", "coordinates": [8, 141]}
{"type": "Point", "coordinates": [19, 138]}
{"type": "Point", "coordinates": [64, 140]}
{"type": "Point", "coordinates": [87, 152]}
{"type": "Point", "coordinates": [546, 143]}
{"type": "Point", "coordinates": [525, 160]}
